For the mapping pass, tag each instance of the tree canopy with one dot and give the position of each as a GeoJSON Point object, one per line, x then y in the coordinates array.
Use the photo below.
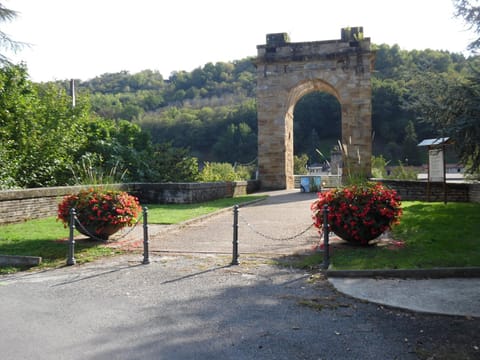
{"type": "Point", "coordinates": [7, 43]}
{"type": "Point", "coordinates": [469, 11]}
{"type": "Point", "coordinates": [45, 141]}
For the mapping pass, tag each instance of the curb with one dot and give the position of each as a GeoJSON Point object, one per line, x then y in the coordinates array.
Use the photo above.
{"type": "Point", "coordinates": [16, 260]}
{"type": "Point", "coordinates": [434, 273]}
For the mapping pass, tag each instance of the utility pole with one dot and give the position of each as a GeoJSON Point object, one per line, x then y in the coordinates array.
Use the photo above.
{"type": "Point", "coordinates": [72, 91]}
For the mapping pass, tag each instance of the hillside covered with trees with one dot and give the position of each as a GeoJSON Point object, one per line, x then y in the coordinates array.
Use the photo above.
{"type": "Point", "coordinates": [211, 110]}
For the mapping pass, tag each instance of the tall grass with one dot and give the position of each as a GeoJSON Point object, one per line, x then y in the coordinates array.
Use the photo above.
{"type": "Point", "coordinates": [92, 171]}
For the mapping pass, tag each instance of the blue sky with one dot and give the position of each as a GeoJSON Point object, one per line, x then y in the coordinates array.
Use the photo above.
{"type": "Point", "coordinates": [84, 39]}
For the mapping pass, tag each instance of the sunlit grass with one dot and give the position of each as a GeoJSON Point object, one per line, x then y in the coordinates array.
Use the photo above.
{"type": "Point", "coordinates": [45, 238]}
{"type": "Point", "coordinates": [434, 235]}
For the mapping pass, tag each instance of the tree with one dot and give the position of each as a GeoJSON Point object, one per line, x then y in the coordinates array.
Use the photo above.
{"type": "Point", "coordinates": [44, 140]}
{"type": "Point", "coordinates": [40, 132]}
{"type": "Point", "coordinates": [451, 104]}
{"type": "Point", "coordinates": [173, 164]}
{"type": "Point", "coordinates": [469, 10]}
{"type": "Point", "coordinates": [300, 164]}
{"type": "Point", "coordinates": [466, 126]}
{"type": "Point", "coordinates": [389, 61]}
{"type": "Point", "coordinates": [203, 110]}
{"type": "Point", "coordinates": [388, 117]}
{"type": "Point", "coordinates": [217, 172]}
{"type": "Point", "coordinates": [5, 41]}
{"type": "Point", "coordinates": [410, 145]}
{"type": "Point", "coordinates": [236, 144]}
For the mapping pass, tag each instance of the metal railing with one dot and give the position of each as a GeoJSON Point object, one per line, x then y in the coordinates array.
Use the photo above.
{"type": "Point", "coordinates": [325, 234]}
{"type": "Point", "coordinates": [235, 253]}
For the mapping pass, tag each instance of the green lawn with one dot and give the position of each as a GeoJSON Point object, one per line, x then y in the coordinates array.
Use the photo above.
{"type": "Point", "coordinates": [46, 237]}
{"type": "Point", "coordinates": [434, 235]}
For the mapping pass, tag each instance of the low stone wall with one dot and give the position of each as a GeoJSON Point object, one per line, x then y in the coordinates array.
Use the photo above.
{"type": "Point", "coordinates": [189, 193]}
{"type": "Point", "coordinates": [417, 190]}
{"type": "Point", "coordinates": [25, 204]}
{"type": "Point", "coordinates": [474, 193]}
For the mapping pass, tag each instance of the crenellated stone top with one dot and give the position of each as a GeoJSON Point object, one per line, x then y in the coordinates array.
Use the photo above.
{"type": "Point", "coordinates": [278, 47]}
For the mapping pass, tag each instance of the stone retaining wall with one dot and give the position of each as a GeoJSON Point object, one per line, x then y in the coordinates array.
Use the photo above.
{"type": "Point", "coordinates": [189, 193]}
{"type": "Point", "coordinates": [411, 190]}
{"type": "Point", "coordinates": [417, 190]}
{"type": "Point", "coordinates": [25, 204]}
{"type": "Point", "coordinates": [474, 193]}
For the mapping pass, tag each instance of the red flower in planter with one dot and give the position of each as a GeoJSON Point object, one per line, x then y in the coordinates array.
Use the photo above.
{"type": "Point", "coordinates": [99, 209]}
{"type": "Point", "coordinates": [358, 213]}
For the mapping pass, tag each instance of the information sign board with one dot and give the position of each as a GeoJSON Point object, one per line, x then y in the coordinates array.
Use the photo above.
{"type": "Point", "coordinates": [436, 167]}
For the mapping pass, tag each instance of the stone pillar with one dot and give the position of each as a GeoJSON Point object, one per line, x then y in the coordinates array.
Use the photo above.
{"type": "Point", "coordinates": [336, 164]}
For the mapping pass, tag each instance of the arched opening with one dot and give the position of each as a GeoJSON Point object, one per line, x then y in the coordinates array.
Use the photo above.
{"type": "Point", "coordinates": [317, 124]}
{"type": "Point", "coordinates": [316, 99]}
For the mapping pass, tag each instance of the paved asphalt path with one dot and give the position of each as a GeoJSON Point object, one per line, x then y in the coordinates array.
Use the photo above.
{"type": "Point", "coordinates": [189, 303]}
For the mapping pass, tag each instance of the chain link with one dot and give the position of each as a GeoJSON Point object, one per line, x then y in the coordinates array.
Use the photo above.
{"type": "Point", "coordinates": [89, 234]}
{"type": "Point", "coordinates": [271, 237]}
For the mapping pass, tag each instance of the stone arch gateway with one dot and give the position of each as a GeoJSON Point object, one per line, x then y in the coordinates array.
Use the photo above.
{"type": "Point", "coordinates": [286, 72]}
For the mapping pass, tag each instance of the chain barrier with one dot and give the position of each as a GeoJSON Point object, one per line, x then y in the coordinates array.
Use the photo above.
{"type": "Point", "coordinates": [275, 238]}
{"type": "Point", "coordinates": [325, 234]}
{"type": "Point", "coordinates": [71, 241]}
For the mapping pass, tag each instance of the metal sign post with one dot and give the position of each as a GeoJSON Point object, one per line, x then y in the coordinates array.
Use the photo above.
{"type": "Point", "coordinates": [436, 163]}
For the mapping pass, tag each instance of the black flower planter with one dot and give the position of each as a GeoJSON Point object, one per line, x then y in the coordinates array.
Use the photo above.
{"type": "Point", "coordinates": [93, 232]}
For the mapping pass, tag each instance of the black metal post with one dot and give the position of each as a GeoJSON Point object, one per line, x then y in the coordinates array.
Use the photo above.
{"type": "Point", "coordinates": [326, 230]}
{"type": "Point", "coordinates": [146, 259]}
{"type": "Point", "coordinates": [235, 236]}
{"type": "Point", "coordinates": [71, 241]}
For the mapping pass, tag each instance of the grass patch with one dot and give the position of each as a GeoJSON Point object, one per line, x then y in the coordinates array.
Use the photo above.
{"type": "Point", "coordinates": [435, 235]}
{"type": "Point", "coordinates": [46, 237]}
{"type": "Point", "coordinates": [43, 237]}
